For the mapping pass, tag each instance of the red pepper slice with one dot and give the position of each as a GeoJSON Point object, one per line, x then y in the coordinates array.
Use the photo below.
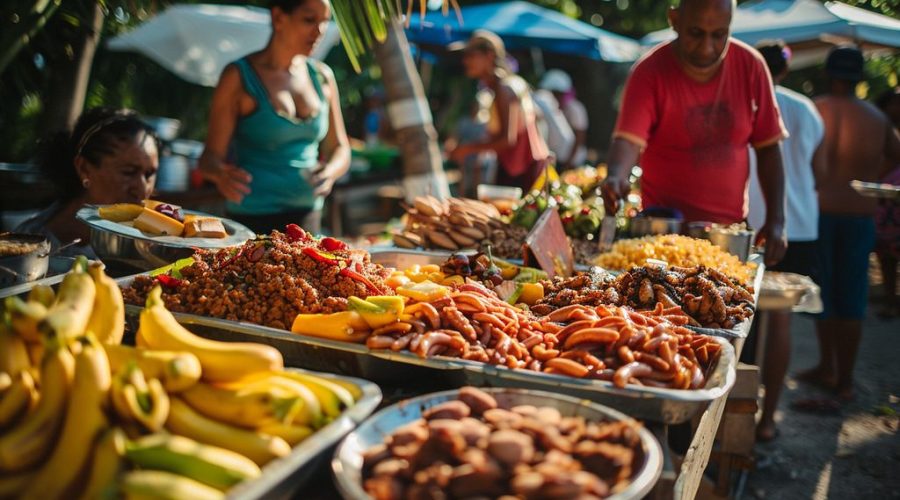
{"type": "Point", "coordinates": [231, 259]}
{"type": "Point", "coordinates": [323, 257]}
{"type": "Point", "coordinates": [296, 233]}
{"type": "Point", "coordinates": [168, 281]}
{"type": "Point", "coordinates": [349, 273]}
{"type": "Point", "coordinates": [332, 244]}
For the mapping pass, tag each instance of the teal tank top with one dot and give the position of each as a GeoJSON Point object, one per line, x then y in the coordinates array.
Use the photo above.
{"type": "Point", "coordinates": [279, 151]}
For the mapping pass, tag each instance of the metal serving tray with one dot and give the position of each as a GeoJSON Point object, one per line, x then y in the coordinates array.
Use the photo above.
{"type": "Point", "coordinates": [668, 406]}
{"type": "Point", "coordinates": [348, 459]}
{"type": "Point", "coordinates": [283, 477]}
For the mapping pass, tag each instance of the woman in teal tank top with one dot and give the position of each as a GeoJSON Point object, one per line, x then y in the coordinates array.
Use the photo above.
{"type": "Point", "coordinates": [279, 112]}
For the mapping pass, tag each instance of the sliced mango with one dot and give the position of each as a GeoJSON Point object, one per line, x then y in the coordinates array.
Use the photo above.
{"type": "Point", "coordinates": [530, 293]}
{"type": "Point", "coordinates": [426, 291]}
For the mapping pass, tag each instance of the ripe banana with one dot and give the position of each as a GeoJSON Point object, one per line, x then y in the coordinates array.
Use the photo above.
{"type": "Point", "coordinates": [245, 406]}
{"type": "Point", "coordinates": [136, 399]}
{"type": "Point", "coordinates": [210, 465]}
{"type": "Point", "coordinates": [107, 319]}
{"type": "Point", "coordinates": [184, 421]}
{"type": "Point", "coordinates": [12, 485]}
{"type": "Point", "coordinates": [36, 352]}
{"type": "Point", "coordinates": [106, 464]}
{"type": "Point", "coordinates": [84, 421]}
{"type": "Point", "coordinates": [161, 485]}
{"type": "Point", "coordinates": [43, 294]}
{"type": "Point", "coordinates": [25, 317]}
{"type": "Point", "coordinates": [31, 439]}
{"type": "Point", "coordinates": [69, 315]}
{"type": "Point", "coordinates": [221, 361]}
{"type": "Point", "coordinates": [13, 353]}
{"type": "Point", "coordinates": [333, 397]}
{"type": "Point", "coordinates": [293, 434]}
{"type": "Point", "coordinates": [5, 382]}
{"type": "Point", "coordinates": [18, 398]}
{"type": "Point", "coordinates": [310, 413]}
{"type": "Point", "coordinates": [176, 370]}
{"type": "Point", "coordinates": [352, 388]}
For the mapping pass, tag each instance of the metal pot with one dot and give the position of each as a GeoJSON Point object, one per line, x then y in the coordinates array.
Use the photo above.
{"type": "Point", "coordinates": [647, 226]}
{"type": "Point", "coordinates": [734, 241]}
{"type": "Point", "coordinates": [29, 266]}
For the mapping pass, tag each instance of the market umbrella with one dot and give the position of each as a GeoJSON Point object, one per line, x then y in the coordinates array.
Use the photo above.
{"type": "Point", "coordinates": [525, 25]}
{"type": "Point", "coordinates": [197, 41]}
{"type": "Point", "coordinates": [809, 26]}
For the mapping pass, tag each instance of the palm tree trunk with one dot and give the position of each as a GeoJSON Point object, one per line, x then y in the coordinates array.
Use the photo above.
{"type": "Point", "coordinates": [410, 117]}
{"type": "Point", "coordinates": [69, 77]}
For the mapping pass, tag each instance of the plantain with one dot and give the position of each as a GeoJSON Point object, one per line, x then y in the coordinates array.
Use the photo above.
{"type": "Point", "coordinates": [220, 361]}
{"type": "Point", "coordinates": [68, 317]}
{"type": "Point", "coordinates": [461, 239]}
{"type": "Point", "coordinates": [260, 448]}
{"type": "Point", "coordinates": [42, 294]}
{"type": "Point", "coordinates": [246, 406]}
{"type": "Point", "coordinates": [84, 421]}
{"type": "Point", "coordinates": [30, 440]}
{"type": "Point", "coordinates": [441, 240]}
{"type": "Point", "coordinates": [13, 352]}
{"type": "Point", "coordinates": [106, 465]}
{"type": "Point", "coordinates": [20, 397]}
{"type": "Point", "coordinates": [160, 485]}
{"type": "Point", "coordinates": [25, 317]}
{"type": "Point", "coordinates": [293, 434]}
{"type": "Point", "coordinates": [107, 319]}
{"type": "Point", "coordinates": [177, 370]}
{"type": "Point", "coordinates": [210, 465]}
{"type": "Point", "coordinates": [138, 400]}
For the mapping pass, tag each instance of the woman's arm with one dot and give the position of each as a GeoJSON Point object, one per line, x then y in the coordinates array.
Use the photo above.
{"type": "Point", "coordinates": [335, 147]}
{"type": "Point", "coordinates": [224, 110]}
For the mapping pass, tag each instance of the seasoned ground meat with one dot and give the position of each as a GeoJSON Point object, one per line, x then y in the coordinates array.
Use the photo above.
{"type": "Point", "coordinates": [267, 287]}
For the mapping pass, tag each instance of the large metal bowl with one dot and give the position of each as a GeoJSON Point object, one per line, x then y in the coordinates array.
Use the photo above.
{"type": "Point", "coordinates": [124, 244]}
{"type": "Point", "coordinates": [348, 459]}
{"type": "Point", "coordinates": [29, 266]}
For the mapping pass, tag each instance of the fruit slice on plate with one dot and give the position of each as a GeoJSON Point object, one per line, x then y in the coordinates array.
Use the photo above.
{"type": "Point", "coordinates": [157, 224]}
{"type": "Point", "coordinates": [120, 212]}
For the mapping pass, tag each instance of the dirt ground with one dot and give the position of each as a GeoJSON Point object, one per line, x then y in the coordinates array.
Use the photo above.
{"type": "Point", "coordinates": [855, 454]}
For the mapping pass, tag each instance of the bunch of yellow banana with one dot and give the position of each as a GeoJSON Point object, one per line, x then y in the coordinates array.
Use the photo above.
{"type": "Point", "coordinates": [179, 417]}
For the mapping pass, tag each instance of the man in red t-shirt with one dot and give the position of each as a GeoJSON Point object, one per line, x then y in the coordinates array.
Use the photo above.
{"type": "Point", "coordinates": [690, 110]}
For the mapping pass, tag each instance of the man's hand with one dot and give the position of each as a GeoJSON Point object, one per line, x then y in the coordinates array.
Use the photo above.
{"type": "Point", "coordinates": [231, 181]}
{"type": "Point", "coordinates": [772, 236]}
{"type": "Point", "coordinates": [322, 179]}
{"type": "Point", "coordinates": [614, 189]}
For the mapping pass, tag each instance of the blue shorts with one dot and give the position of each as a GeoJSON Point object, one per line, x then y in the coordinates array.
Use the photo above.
{"type": "Point", "coordinates": [845, 242]}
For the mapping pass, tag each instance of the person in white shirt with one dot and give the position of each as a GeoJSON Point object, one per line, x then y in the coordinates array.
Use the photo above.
{"type": "Point", "coordinates": [560, 83]}
{"type": "Point", "coordinates": [802, 154]}
{"type": "Point", "coordinates": [553, 125]}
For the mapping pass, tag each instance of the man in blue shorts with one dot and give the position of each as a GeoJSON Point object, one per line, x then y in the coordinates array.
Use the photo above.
{"type": "Point", "coordinates": [858, 140]}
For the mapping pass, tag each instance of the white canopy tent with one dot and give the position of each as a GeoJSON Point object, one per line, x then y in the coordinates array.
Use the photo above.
{"type": "Point", "coordinates": [197, 41]}
{"type": "Point", "coordinates": [810, 27]}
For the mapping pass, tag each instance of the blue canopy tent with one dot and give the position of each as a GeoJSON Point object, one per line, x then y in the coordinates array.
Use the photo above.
{"type": "Point", "coordinates": [525, 25]}
{"type": "Point", "coordinates": [809, 26]}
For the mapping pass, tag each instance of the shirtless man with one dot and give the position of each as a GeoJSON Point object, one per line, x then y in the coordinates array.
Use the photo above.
{"type": "Point", "coordinates": [858, 140]}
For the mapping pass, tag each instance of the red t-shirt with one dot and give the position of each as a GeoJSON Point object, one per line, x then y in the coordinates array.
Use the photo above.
{"type": "Point", "coordinates": [696, 135]}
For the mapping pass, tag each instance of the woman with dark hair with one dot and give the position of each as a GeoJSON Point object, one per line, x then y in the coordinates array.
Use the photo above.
{"type": "Point", "coordinates": [279, 111]}
{"type": "Point", "coordinates": [521, 151]}
{"type": "Point", "coordinates": [111, 156]}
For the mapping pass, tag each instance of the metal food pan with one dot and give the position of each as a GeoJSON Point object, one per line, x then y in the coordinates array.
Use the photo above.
{"type": "Point", "coordinates": [283, 477]}
{"type": "Point", "coordinates": [357, 360]}
{"type": "Point", "coordinates": [667, 406]}
{"type": "Point", "coordinates": [348, 459]}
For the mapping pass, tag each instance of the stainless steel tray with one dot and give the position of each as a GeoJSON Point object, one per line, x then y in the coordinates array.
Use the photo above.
{"type": "Point", "coordinates": [669, 406]}
{"type": "Point", "coordinates": [742, 330]}
{"type": "Point", "coordinates": [348, 461]}
{"type": "Point", "coordinates": [283, 477]}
